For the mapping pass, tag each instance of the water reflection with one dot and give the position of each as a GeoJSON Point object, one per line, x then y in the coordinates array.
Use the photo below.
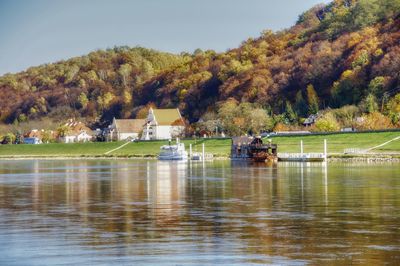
{"type": "Point", "coordinates": [147, 212]}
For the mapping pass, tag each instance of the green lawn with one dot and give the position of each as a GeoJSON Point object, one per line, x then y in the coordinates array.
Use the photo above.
{"type": "Point", "coordinates": [338, 142]}
{"type": "Point", "coordinates": [58, 149]}
{"type": "Point", "coordinates": [219, 147]}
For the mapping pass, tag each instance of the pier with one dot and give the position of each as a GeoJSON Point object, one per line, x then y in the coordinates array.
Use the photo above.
{"type": "Point", "coordinates": [304, 157]}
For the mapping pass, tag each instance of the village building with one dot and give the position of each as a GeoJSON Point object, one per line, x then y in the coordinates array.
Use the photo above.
{"type": "Point", "coordinates": [39, 136]}
{"type": "Point", "coordinates": [163, 124]}
{"type": "Point", "coordinates": [33, 137]}
{"type": "Point", "coordinates": [125, 129]}
{"type": "Point", "coordinates": [77, 132]}
{"type": "Point", "coordinates": [311, 119]}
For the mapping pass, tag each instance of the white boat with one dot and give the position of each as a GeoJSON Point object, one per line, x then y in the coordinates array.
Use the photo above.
{"type": "Point", "coordinates": [173, 152]}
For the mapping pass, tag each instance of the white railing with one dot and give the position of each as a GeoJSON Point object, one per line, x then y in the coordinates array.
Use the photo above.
{"type": "Point", "coordinates": [198, 156]}
{"type": "Point", "coordinates": [301, 155]}
{"type": "Point", "coordinates": [354, 151]}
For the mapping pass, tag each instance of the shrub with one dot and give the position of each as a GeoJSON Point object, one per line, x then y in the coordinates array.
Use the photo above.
{"type": "Point", "coordinates": [374, 121]}
{"type": "Point", "coordinates": [327, 123]}
{"type": "Point", "coordinates": [280, 127]}
{"type": "Point", "coordinates": [346, 114]}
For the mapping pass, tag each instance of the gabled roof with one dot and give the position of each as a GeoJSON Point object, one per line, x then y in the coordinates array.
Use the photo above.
{"type": "Point", "coordinates": [75, 128]}
{"type": "Point", "coordinates": [34, 133]}
{"type": "Point", "coordinates": [168, 117]}
{"type": "Point", "coordinates": [129, 125]}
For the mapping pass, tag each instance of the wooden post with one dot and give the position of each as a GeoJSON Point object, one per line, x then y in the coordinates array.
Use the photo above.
{"type": "Point", "coordinates": [325, 150]}
{"type": "Point", "coordinates": [203, 152]}
{"type": "Point", "coordinates": [301, 148]}
{"type": "Point", "coordinates": [190, 151]}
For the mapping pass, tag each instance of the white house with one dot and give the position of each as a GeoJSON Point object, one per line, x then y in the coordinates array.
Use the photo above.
{"type": "Point", "coordinates": [163, 124]}
{"type": "Point", "coordinates": [123, 129]}
{"type": "Point", "coordinates": [82, 136]}
{"type": "Point", "coordinates": [77, 132]}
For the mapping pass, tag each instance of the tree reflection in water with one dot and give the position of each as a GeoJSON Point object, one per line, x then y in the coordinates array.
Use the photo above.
{"type": "Point", "coordinates": [167, 212]}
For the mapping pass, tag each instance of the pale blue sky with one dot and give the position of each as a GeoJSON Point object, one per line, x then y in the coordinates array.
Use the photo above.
{"type": "Point", "coordinates": [44, 31]}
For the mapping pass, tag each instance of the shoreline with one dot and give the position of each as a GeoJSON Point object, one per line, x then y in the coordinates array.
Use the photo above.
{"type": "Point", "coordinates": [331, 158]}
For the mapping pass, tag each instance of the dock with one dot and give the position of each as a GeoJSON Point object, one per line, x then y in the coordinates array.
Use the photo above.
{"type": "Point", "coordinates": [304, 157]}
{"type": "Point", "coordinates": [299, 157]}
{"type": "Point", "coordinates": [200, 156]}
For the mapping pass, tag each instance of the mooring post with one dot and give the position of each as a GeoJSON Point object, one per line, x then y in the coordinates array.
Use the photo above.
{"type": "Point", "coordinates": [301, 148]}
{"type": "Point", "coordinates": [325, 150]}
{"type": "Point", "coordinates": [204, 152]}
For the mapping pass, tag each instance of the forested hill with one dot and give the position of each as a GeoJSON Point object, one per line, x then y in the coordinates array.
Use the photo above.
{"type": "Point", "coordinates": [337, 54]}
{"type": "Point", "coordinates": [90, 86]}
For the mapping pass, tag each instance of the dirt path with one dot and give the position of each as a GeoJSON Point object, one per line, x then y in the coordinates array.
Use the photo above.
{"type": "Point", "coordinates": [383, 144]}
{"type": "Point", "coordinates": [123, 145]}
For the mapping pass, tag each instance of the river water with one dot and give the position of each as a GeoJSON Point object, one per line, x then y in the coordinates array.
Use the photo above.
{"type": "Point", "coordinates": [138, 212]}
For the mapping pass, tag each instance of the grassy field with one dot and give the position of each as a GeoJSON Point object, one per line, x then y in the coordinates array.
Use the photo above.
{"type": "Point", "coordinates": [338, 142]}
{"type": "Point", "coordinates": [219, 147]}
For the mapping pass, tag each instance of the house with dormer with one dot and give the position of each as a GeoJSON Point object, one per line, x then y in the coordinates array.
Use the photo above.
{"type": "Point", "coordinates": [76, 132]}
{"type": "Point", "coordinates": [163, 124]}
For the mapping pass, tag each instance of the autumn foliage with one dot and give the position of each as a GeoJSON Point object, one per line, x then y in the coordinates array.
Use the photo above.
{"type": "Point", "coordinates": [336, 55]}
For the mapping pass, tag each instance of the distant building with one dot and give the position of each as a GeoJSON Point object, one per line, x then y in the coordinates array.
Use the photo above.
{"type": "Point", "coordinates": [311, 120]}
{"type": "Point", "coordinates": [124, 129]}
{"type": "Point", "coordinates": [33, 140]}
{"type": "Point", "coordinates": [33, 135]}
{"type": "Point", "coordinates": [77, 132]}
{"type": "Point", "coordinates": [163, 124]}
{"type": "Point", "coordinates": [36, 136]}
{"type": "Point", "coordinates": [348, 129]}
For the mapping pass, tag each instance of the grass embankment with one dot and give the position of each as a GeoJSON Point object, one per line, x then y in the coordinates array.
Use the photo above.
{"type": "Point", "coordinates": [338, 142]}
{"type": "Point", "coordinates": [219, 147]}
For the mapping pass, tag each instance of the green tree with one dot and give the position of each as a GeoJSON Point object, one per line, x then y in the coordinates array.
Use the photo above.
{"type": "Point", "coordinates": [362, 60]}
{"type": "Point", "coordinates": [127, 97]}
{"type": "Point", "coordinates": [105, 100]}
{"type": "Point", "coordinates": [369, 104]}
{"type": "Point", "coordinates": [227, 114]}
{"type": "Point", "coordinates": [393, 108]}
{"type": "Point", "coordinates": [290, 114]}
{"type": "Point", "coordinates": [327, 123]}
{"type": "Point", "coordinates": [22, 118]}
{"type": "Point", "coordinates": [260, 121]}
{"type": "Point", "coordinates": [366, 12]}
{"type": "Point", "coordinates": [63, 130]}
{"type": "Point", "coordinates": [125, 70]}
{"type": "Point", "coordinates": [47, 136]}
{"type": "Point", "coordinates": [300, 104]}
{"type": "Point", "coordinates": [313, 101]}
{"type": "Point", "coordinates": [83, 100]}
{"type": "Point", "coordinates": [346, 114]}
{"type": "Point", "coordinates": [376, 86]}
{"type": "Point", "coordinates": [9, 138]}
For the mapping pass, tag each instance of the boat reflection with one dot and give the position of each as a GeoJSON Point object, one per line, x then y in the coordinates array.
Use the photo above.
{"type": "Point", "coordinates": [270, 214]}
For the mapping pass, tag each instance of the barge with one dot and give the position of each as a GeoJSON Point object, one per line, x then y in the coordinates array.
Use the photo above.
{"type": "Point", "coordinates": [253, 149]}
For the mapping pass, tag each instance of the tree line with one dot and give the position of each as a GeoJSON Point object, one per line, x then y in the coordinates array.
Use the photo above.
{"type": "Point", "coordinates": [341, 57]}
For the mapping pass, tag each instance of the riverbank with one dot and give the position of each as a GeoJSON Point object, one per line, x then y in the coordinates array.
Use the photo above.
{"type": "Point", "coordinates": [331, 158]}
{"type": "Point", "coordinates": [220, 148]}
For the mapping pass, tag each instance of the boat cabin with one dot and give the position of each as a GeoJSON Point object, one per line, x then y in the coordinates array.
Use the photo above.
{"type": "Point", "coordinates": [253, 148]}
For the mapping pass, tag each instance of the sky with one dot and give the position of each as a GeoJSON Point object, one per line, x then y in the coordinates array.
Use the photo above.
{"type": "Point", "coordinates": [34, 32]}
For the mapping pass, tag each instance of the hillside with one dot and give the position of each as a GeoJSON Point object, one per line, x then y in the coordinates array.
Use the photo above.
{"type": "Point", "coordinates": [344, 53]}
{"type": "Point", "coordinates": [96, 87]}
